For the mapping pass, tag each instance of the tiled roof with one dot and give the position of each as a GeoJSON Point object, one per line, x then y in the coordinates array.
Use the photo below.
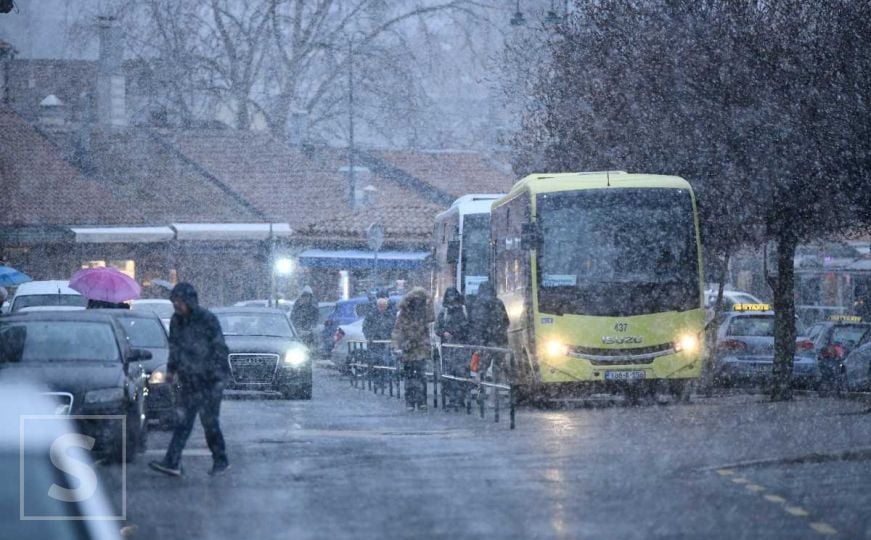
{"type": "Point", "coordinates": [286, 183]}
{"type": "Point", "coordinates": [411, 221]}
{"type": "Point", "coordinates": [38, 187]}
{"type": "Point", "coordinates": [456, 173]}
{"type": "Point", "coordinates": [31, 80]}
{"type": "Point", "coordinates": [165, 185]}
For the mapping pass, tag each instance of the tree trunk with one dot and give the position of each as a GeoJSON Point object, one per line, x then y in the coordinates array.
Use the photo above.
{"type": "Point", "coordinates": [784, 319]}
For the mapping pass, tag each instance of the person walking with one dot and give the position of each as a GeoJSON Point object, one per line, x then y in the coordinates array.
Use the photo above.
{"type": "Point", "coordinates": [411, 338]}
{"type": "Point", "coordinates": [198, 358]}
{"type": "Point", "coordinates": [488, 322]}
{"type": "Point", "coordinates": [378, 326]}
{"type": "Point", "coordinates": [305, 315]}
{"type": "Point", "coordinates": [451, 328]}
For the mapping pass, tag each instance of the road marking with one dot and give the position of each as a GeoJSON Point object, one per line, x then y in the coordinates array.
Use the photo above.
{"type": "Point", "coordinates": [755, 488]}
{"type": "Point", "coordinates": [797, 511]}
{"type": "Point", "coordinates": [725, 472]}
{"type": "Point", "coordinates": [823, 528]}
{"type": "Point", "coordinates": [775, 499]}
{"type": "Point", "coordinates": [740, 480]}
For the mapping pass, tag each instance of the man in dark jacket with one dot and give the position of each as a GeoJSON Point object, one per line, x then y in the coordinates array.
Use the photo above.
{"type": "Point", "coordinates": [378, 326]}
{"type": "Point", "coordinates": [198, 357]}
{"type": "Point", "coordinates": [305, 315]}
{"type": "Point", "coordinates": [488, 321]}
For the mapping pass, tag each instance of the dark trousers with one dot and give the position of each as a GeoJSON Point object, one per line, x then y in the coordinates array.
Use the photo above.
{"type": "Point", "coordinates": [415, 382]}
{"type": "Point", "coordinates": [455, 362]}
{"type": "Point", "coordinates": [205, 400]}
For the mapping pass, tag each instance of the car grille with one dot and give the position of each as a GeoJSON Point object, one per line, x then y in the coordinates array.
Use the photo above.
{"type": "Point", "coordinates": [253, 368]}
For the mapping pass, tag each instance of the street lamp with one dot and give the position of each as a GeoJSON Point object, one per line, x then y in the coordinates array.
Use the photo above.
{"type": "Point", "coordinates": [283, 266]}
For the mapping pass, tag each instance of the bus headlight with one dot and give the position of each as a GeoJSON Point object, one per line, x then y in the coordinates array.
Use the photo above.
{"type": "Point", "coordinates": [687, 343]}
{"type": "Point", "coordinates": [295, 357]}
{"type": "Point", "coordinates": [556, 348]}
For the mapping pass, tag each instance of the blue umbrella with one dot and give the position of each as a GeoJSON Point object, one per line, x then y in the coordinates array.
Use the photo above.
{"type": "Point", "coordinates": [10, 277]}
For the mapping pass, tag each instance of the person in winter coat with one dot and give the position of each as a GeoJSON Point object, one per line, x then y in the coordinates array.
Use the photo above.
{"type": "Point", "coordinates": [198, 359]}
{"type": "Point", "coordinates": [451, 328]}
{"type": "Point", "coordinates": [488, 322]}
{"type": "Point", "coordinates": [304, 315]}
{"type": "Point", "coordinates": [411, 338]}
{"type": "Point", "coordinates": [378, 326]}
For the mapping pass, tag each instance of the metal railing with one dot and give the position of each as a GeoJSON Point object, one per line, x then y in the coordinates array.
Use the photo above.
{"type": "Point", "coordinates": [450, 375]}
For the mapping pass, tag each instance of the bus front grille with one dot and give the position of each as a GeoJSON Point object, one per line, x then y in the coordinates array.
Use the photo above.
{"type": "Point", "coordinates": [638, 355]}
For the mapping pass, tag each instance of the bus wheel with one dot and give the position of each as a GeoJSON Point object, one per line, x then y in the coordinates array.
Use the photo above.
{"type": "Point", "coordinates": [680, 389]}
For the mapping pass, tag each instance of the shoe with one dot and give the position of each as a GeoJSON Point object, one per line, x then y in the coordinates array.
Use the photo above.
{"type": "Point", "coordinates": [409, 408]}
{"type": "Point", "coordinates": [421, 407]}
{"type": "Point", "coordinates": [160, 467]}
{"type": "Point", "coordinates": [219, 469]}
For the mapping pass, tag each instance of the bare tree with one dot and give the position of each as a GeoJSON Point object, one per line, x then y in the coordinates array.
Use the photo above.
{"type": "Point", "coordinates": [264, 61]}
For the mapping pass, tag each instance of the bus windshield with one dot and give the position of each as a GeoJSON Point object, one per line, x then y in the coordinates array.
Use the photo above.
{"type": "Point", "coordinates": [476, 259]}
{"type": "Point", "coordinates": [617, 252]}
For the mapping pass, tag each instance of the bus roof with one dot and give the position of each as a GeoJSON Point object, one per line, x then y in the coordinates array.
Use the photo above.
{"type": "Point", "coordinates": [472, 204]}
{"type": "Point", "coordinates": [545, 183]}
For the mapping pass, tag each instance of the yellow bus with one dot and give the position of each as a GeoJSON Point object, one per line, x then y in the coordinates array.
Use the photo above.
{"type": "Point", "coordinates": [601, 275]}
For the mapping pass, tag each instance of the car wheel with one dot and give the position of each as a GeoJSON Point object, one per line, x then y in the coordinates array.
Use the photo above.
{"type": "Point", "coordinates": [116, 450]}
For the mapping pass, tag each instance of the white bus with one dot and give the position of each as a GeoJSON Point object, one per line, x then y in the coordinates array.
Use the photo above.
{"type": "Point", "coordinates": [461, 245]}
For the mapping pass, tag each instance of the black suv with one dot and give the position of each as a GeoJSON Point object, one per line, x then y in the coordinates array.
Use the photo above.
{"type": "Point", "coordinates": [86, 361]}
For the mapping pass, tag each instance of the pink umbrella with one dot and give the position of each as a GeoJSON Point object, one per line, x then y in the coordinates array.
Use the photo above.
{"type": "Point", "coordinates": [106, 284]}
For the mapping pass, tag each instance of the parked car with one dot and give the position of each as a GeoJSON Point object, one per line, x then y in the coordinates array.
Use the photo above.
{"type": "Point", "coordinates": [145, 331]}
{"type": "Point", "coordinates": [265, 354]}
{"type": "Point", "coordinates": [46, 293]}
{"type": "Point", "coordinates": [830, 342]}
{"type": "Point", "coordinates": [86, 359]}
{"type": "Point", "coordinates": [730, 298]}
{"type": "Point", "coordinates": [284, 305]}
{"type": "Point", "coordinates": [29, 467]}
{"type": "Point", "coordinates": [857, 366]}
{"type": "Point", "coordinates": [743, 350]}
{"type": "Point", "coordinates": [346, 334]}
{"type": "Point", "coordinates": [346, 312]}
{"type": "Point", "coordinates": [159, 306]}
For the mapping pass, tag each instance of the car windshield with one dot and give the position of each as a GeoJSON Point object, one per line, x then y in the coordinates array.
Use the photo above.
{"type": "Point", "coordinates": [144, 333]}
{"type": "Point", "coordinates": [57, 341]}
{"type": "Point", "coordinates": [752, 326]}
{"type": "Point", "coordinates": [32, 300]}
{"type": "Point", "coordinates": [255, 324]}
{"type": "Point", "coordinates": [618, 252]}
{"type": "Point", "coordinates": [163, 310]}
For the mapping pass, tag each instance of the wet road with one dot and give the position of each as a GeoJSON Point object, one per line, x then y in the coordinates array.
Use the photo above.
{"type": "Point", "coordinates": [350, 464]}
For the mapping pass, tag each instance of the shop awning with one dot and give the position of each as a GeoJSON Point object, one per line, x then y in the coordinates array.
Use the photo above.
{"type": "Point", "coordinates": [122, 235]}
{"type": "Point", "coordinates": [230, 231]}
{"type": "Point", "coordinates": [350, 259]}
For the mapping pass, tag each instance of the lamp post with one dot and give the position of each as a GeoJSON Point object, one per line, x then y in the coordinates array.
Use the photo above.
{"type": "Point", "coordinates": [351, 179]}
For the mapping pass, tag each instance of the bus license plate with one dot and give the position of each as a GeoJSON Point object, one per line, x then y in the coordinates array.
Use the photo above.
{"type": "Point", "coordinates": [623, 375]}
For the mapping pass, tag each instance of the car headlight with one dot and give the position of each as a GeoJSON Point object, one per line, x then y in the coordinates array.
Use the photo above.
{"type": "Point", "coordinates": [104, 395]}
{"type": "Point", "coordinates": [158, 376]}
{"type": "Point", "coordinates": [296, 357]}
{"type": "Point", "coordinates": [687, 343]}
{"type": "Point", "coordinates": [557, 348]}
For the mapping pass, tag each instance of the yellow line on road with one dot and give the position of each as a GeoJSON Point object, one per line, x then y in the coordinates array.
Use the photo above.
{"type": "Point", "coordinates": [755, 488]}
{"type": "Point", "coordinates": [775, 499]}
{"type": "Point", "coordinates": [823, 528]}
{"type": "Point", "coordinates": [797, 511]}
